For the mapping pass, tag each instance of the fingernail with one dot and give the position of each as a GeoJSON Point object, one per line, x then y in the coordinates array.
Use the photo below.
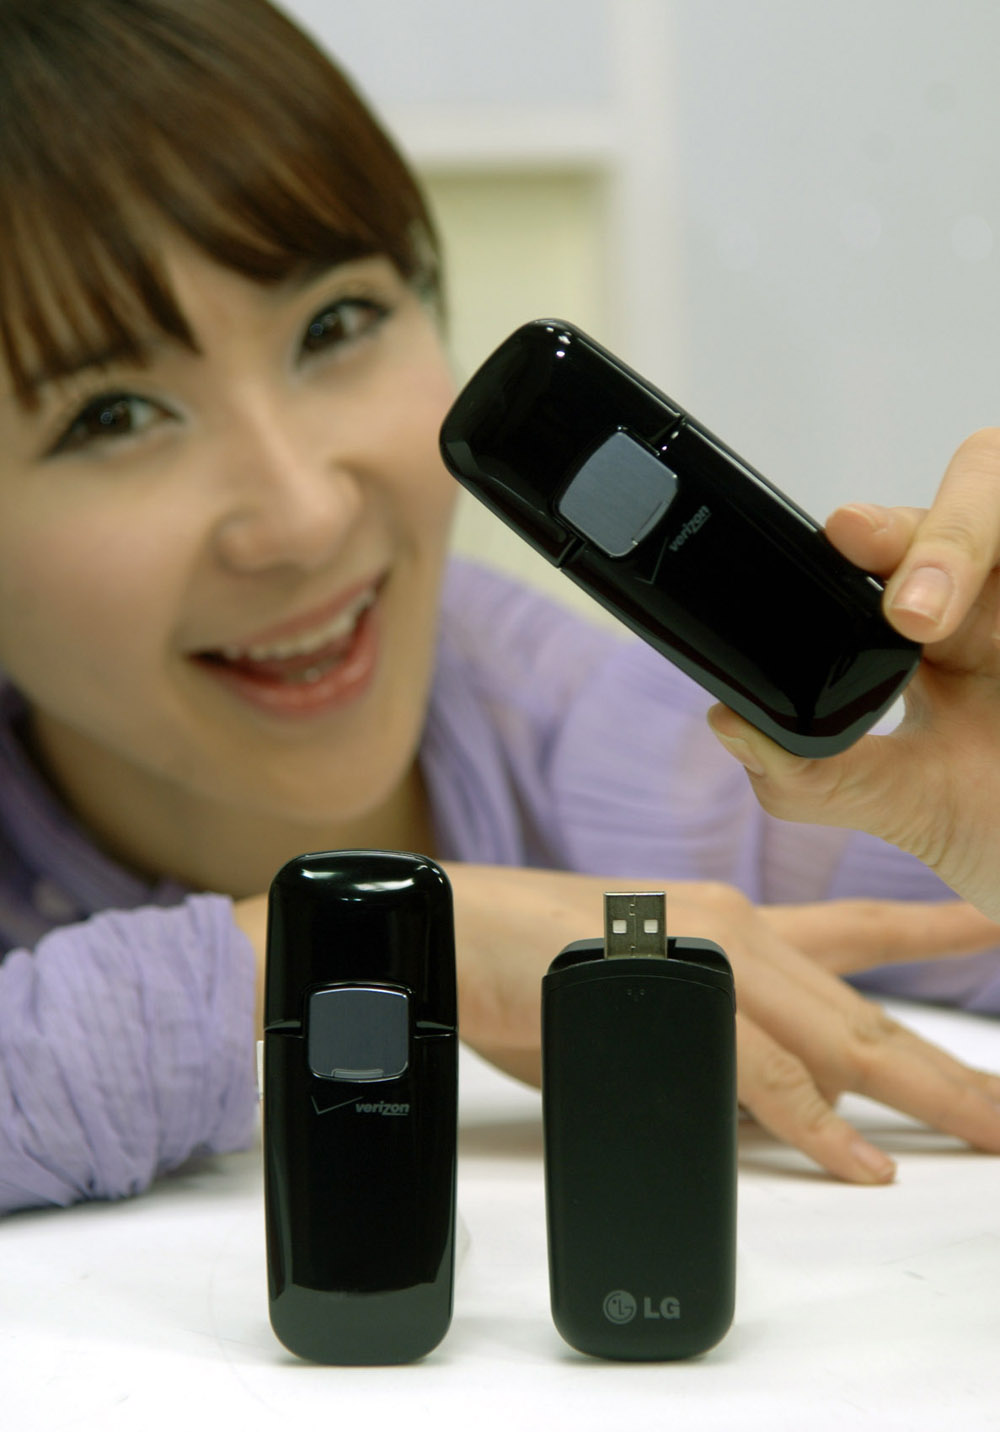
{"type": "Point", "coordinates": [737, 747]}
{"type": "Point", "coordinates": [879, 1165]}
{"type": "Point", "coordinates": [876, 517]}
{"type": "Point", "coordinates": [925, 593]}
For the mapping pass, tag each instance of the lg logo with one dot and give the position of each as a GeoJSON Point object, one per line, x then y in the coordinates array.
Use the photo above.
{"type": "Point", "coordinates": [621, 1307]}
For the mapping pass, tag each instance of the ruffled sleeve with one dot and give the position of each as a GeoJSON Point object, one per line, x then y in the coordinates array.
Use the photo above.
{"type": "Point", "coordinates": [126, 1048]}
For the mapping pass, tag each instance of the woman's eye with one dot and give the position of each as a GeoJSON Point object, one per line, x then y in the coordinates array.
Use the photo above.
{"type": "Point", "coordinates": [342, 323]}
{"type": "Point", "coordinates": [106, 418]}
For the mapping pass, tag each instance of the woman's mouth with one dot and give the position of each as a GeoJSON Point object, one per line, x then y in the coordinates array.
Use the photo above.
{"type": "Point", "coordinates": [306, 672]}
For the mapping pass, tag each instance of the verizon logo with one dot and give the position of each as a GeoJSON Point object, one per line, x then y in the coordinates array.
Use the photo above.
{"type": "Point", "coordinates": [691, 526]}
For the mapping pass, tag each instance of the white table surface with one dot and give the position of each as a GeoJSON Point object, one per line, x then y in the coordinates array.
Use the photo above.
{"type": "Point", "coordinates": [855, 1307]}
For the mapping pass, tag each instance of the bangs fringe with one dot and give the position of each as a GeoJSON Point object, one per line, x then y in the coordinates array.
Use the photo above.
{"type": "Point", "coordinates": [302, 176]}
{"type": "Point", "coordinates": [69, 295]}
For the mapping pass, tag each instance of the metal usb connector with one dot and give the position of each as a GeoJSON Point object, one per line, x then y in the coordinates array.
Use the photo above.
{"type": "Point", "coordinates": [635, 924]}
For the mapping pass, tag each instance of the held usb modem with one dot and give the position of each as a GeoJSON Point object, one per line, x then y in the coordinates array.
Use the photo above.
{"type": "Point", "coordinates": [360, 1106]}
{"type": "Point", "coordinates": [639, 1109]}
{"type": "Point", "coordinates": [678, 536]}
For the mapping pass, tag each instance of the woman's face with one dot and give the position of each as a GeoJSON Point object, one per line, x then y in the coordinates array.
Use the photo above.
{"type": "Point", "coordinates": [219, 570]}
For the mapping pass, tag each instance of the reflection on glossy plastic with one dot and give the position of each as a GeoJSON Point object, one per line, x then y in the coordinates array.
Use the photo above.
{"type": "Point", "coordinates": [677, 536]}
{"type": "Point", "coordinates": [360, 1105]}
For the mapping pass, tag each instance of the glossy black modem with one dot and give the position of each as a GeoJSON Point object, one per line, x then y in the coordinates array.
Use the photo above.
{"type": "Point", "coordinates": [679, 537]}
{"type": "Point", "coordinates": [360, 1090]}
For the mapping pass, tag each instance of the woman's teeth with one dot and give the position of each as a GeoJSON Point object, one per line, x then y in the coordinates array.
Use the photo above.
{"type": "Point", "coordinates": [334, 630]}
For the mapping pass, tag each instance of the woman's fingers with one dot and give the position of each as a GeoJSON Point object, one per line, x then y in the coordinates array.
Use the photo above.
{"type": "Point", "coordinates": [955, 546]}
{"type": "Point", "coordinates": [881, 784]}
{"type": "Point", "coordinates": [778, 1090]}
{"type": "Point", "coordinates": [846, 936]}
{"type": "Point", "coordinates": [937, 561]}
{"type": "Point", "coordinates": [872, 537]}
{"type": "Point", "coordinates": [845, 1042]}
{"type": "Point", "coordinates": [805, 1037]}
{"type": "Point", "coordinates": [898, 1068]}
{"type": "Point", "coordinates": [932, 787]}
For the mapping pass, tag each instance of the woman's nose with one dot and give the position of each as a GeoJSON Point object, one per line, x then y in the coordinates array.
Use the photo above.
{"type": "Point", "coordinates": [289, 503]}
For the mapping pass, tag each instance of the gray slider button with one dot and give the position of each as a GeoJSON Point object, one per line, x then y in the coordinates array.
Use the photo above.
{"type": "Point", "coordinates": [358, 1033]}
{"type": "Point", "coordinates": [618, 495]}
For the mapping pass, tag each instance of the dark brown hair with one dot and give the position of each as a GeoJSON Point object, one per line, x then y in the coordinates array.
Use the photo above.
{"type": "Point", "coordinates": [219, 117]}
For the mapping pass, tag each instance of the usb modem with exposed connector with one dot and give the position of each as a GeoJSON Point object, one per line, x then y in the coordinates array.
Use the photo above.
{"type": "Point", "coordinates": [639, 1107]}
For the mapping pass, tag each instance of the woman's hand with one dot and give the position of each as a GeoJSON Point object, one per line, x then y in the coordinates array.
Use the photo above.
{"type": "Point", "coordinates": [932, 787]}
{"type": "Point", "coordinates": [803, 1036]}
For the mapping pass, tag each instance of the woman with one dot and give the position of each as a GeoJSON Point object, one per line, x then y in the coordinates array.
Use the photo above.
{"type": "Point", "coordinates": [229, 636]}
